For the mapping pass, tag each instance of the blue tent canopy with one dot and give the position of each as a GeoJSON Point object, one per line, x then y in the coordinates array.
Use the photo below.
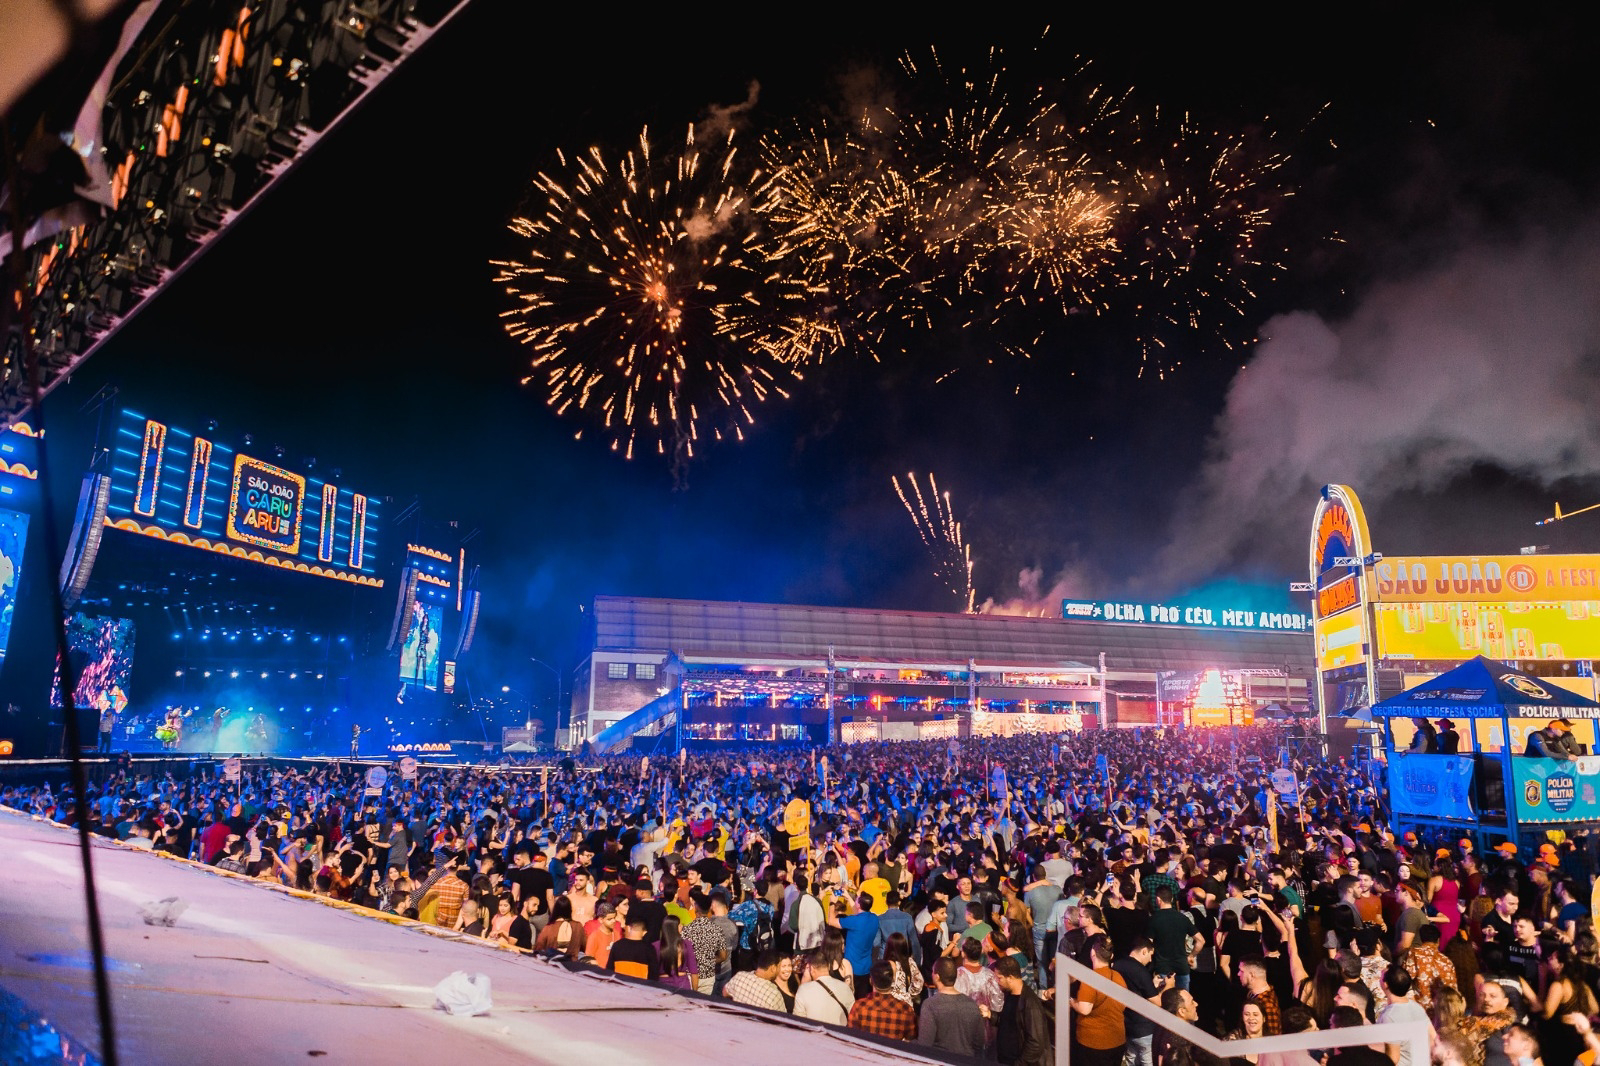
{"type": "Point", "coordinates": [1483, 688]}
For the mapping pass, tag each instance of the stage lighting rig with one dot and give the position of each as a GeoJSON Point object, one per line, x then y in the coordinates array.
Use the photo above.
{"type": "Point", "coordinates": [199, 108]}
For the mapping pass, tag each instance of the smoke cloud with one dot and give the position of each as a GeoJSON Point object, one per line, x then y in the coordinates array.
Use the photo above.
{"type": "Point", "coordinates": [723, 119]}
{"type": "Point", "coordinates": [1035, 600]}
{"type": "Point", "coordinates": [1487, 358]}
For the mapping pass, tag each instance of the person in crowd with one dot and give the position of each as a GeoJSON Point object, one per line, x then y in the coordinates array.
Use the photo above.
{"type": "Point", "coordinates": [951, 1021]}
{"type": "Point", "coordinates": [880, 1012]}
{"type": "Point", "coordinates": [1023, 1032]}
{"type": "Point", "coordinates": [1100, 1034]}
{"type": "Point", "coordinates": [758, 987]}
{"type": "Point", "coordinates": [822, 997]}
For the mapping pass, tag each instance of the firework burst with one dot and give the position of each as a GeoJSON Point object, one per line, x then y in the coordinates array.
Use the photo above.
{"type": "Point", "coordinates": [941, 535]}
{"type": "Point", "coordinates": [641, 299]}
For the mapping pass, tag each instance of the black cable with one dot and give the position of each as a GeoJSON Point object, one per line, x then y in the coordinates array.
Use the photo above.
{"type": "Point", "coordinates": [21, 306]}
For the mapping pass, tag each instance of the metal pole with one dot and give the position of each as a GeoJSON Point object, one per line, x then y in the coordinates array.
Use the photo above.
{"type": "Point", "coordinates": [1104, 718]}
{"type": "Point", "coordinates": [832, 692]}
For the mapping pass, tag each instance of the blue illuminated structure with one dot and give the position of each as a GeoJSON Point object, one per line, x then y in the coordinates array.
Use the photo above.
{"type": "Point", "coordinates": [183, 488]}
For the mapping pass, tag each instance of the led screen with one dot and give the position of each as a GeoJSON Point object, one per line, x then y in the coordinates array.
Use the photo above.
{"type": "Point", "coordinates": [107, 662]}
{"type": "Point", "coordinates": [419, 655]}
{"type": "Point", "coordinates": [13, 539]}
{"type": "Point", "coordinates": [1504, 630]}
{"type": "Point", "coordinates": [184, 488]}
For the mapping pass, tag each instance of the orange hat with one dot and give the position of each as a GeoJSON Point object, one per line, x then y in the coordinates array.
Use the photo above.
{"type": "Point", "coordinates": [1547, 849]}
{"type": "Point", "coordinates": [1442, 853]}
{"type": "Point", "coordinates": [1411, 838]}
{"type": "Point", "coordinates": [1363, 828]}
{"type": "Point", "coordinates": [1505, 847]}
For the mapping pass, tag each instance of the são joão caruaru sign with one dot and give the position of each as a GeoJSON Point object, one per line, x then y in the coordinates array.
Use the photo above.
{"type": "Point", "coordinates": [265, 505]}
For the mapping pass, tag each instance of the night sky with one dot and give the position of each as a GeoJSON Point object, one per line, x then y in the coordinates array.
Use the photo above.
{"type": "Point", "coordinates": [352, 317]}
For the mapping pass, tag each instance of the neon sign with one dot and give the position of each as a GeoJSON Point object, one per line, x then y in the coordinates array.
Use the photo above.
{"type": "Point", "coordinates": [1172, 614]}
{"type": "Point", "coordinates": [265, 505]}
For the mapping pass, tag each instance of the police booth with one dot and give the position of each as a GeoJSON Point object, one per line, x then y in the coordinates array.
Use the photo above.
{"type": "Point", "coordinates": [1488, 788]}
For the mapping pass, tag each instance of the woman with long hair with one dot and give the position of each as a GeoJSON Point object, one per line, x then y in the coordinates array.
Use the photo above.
{"type": "Point", "coordinates": [833, 948]}
{"type": "Point", "coordinates": [908, 982]}
{"type": "Point", "coordinates": [1444, 893]}
{"type": "Point", "coordinates": [678, 965]}
{"type": "Point", "coordinates": [1451, 1022]}
{"type": "Point", "coordinates": [561, 933]}
{"type": "Point", "coordinates": [1318, 990]}
{"type": "Point", "coordinates": [1567, 991]}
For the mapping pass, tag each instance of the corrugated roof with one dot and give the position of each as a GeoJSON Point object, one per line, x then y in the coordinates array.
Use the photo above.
{"type": "Point", "coordinates": [765, 630]}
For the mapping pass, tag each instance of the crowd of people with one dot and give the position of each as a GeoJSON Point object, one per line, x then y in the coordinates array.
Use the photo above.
{"type": "Point", "coordinates": [921, 891]}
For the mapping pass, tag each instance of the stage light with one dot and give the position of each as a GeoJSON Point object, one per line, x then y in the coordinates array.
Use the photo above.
{"type": "Point", "coordinates": [175, 636]}
{"type": "Point", "coordinates": [263, 675]}
{"type": "Point", "coordinates": [177, 673]}
{"type": "Point", "coordinates": [234, 674]}
{"type": "Point", "coordinates": [248, 440]}
{"type": "Point", "coordinates": [208, 673]}
{"type": "Point", "coordinates": [319, 677]}
{"type": "Point", "coordinates": [211, 425]}
{"type": "Point", "coordinates": [293, 676]}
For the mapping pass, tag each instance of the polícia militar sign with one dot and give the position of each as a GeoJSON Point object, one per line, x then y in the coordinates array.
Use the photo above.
{"type": "Point", "coordinates": [265, 505]}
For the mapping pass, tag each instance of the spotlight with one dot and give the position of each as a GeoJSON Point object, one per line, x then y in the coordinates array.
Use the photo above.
{"type": "Point", "coordinates": [263, 675]}
{"type": "Point", "coordinates": [277, 450]}
{"type": "Point", "coordinates": [177, 673]}
{"type": "Point", "coordinates": [234, 674]}
{"type": "Point", "coordinates": [249, 440]}
{"type": "Point", "coordinates": [293, 676]}
{"type": "Point", "coordinates": [208, 673]}
{"type": "Point", "coordinates": [211, 425]}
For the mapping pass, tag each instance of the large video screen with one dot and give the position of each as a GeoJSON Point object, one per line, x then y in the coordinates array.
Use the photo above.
{"type": "Point", "coordinates": [184, 488]}
{"type": "Point", "coordinates": [1505, 630]}
{"type": "Point", "coordinates": [419, 655]}
{"type": "Point", "coordinates": [107, 647]}
{"type": "Point", "coordinates": [13, 541]}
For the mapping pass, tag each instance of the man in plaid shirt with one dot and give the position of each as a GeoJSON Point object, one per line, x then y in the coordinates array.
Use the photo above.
{"type": "Point", "coordinates": [756, 988]}
{"type": "Point", "coordinates": [881, 1014]}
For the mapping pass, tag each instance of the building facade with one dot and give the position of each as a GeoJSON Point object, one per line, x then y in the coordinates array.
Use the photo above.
{"type": "Point", "coordinates": [745, 672]}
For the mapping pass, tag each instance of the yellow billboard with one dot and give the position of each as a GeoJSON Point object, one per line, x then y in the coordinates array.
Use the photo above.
{"type": "Point", "coordinates": [1499, 630]}
{"type": "Point", "coordinates": [1339, 639]}
{"type": "Point", "coordinates": [1484, 578]}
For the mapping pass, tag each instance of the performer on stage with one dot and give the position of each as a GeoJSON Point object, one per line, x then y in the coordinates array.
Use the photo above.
{"type": "Point", "coordinates": [171, 732]}
{"type": "Point", "coordinates": [355, 740]}
{"type": "Point", "coordinates": [256, 736]}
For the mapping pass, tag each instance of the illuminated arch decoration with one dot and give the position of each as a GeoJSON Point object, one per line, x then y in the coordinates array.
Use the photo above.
{"type": "Point", "coordinates": [18, 469]}
{"type": "Point", "coordinates": [253, 555]}
{"type": "Point", "coordinates": [1338, 530]}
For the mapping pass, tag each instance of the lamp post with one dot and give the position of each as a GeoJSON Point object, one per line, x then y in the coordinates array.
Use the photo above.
{"type": "Point", "coordinates": [557, 674]}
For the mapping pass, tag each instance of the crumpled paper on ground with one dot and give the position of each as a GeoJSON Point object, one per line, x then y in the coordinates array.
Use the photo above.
{"type": "Point", "coordinates": [163, 912]}
{"type": "Point", "coordinates": [463, 994]}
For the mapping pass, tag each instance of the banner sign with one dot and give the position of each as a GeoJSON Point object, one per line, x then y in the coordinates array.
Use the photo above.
{"type": "Point", "coordinates": [1435, 786]}
{"type": "Point", "coordinates": [1285, 783]}
{"type": "Point", "coordinates": [1551, 791]}
{"type": "Point", "coordinates": [1498, 630]}
{"type": "Point", "coordinates": [1447, 578]}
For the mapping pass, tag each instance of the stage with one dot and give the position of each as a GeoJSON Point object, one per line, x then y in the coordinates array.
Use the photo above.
{"type": "Point", "coordinates": [251, 974]}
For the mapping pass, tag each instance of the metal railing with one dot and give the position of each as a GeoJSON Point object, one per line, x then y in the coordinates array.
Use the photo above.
{"type": "Point", "coordinates": [1417, 1034]}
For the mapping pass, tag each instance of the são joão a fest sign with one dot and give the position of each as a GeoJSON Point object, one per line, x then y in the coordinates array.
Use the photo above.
{"type": "Point", "coordinates": [265, 505]}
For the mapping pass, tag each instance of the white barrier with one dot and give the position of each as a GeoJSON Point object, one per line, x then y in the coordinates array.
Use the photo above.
{"type": "Point", "coordinates": [1417, 1034]}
